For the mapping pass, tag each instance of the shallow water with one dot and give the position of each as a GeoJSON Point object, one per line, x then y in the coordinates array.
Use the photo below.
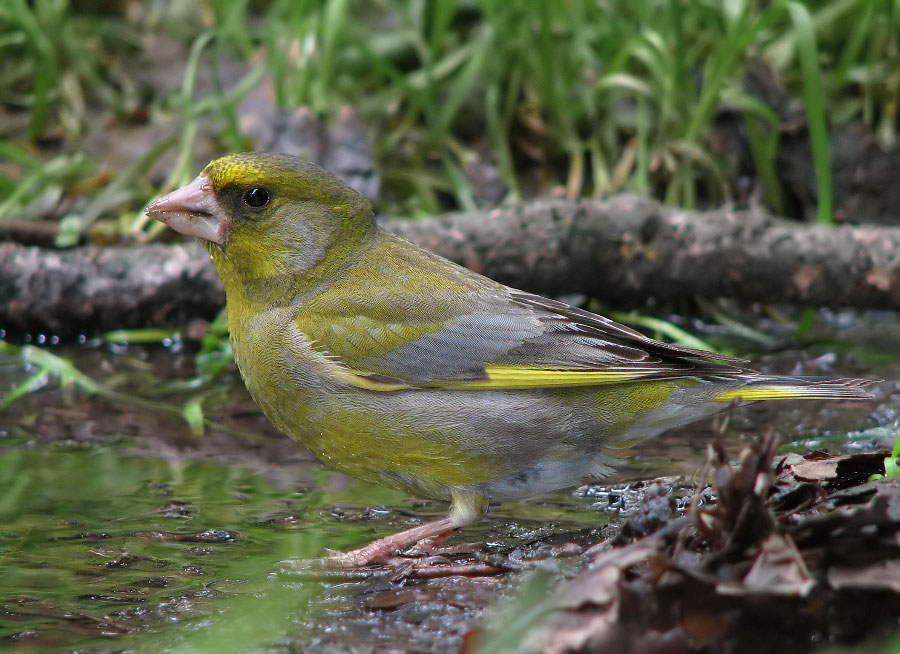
{"type": "Point", "coordinates": [121, 529]}
{"type": "Point", "coordinates": [102, 550]}
{"type": "Point", "coordinates": [105, 550]}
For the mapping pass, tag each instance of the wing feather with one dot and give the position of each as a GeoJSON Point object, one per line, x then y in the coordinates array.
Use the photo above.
{"type": "Point", "coordinates": [515, 342]}
{"type": "Point", "coordinates": [426, 322]}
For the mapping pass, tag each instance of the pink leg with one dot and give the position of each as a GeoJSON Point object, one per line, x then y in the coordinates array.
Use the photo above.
{"type": "Point", "coordinates": [385, 548]}
{"type": "Point", "coordinates": [382, 549]}
{"type": "Point", "coordinates": [428, 545]}
{"type": "Point", "coordinates": [466, 507]}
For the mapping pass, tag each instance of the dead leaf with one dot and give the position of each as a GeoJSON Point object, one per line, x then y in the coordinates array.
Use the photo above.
{"type": "Point", "coordinates": [822, 470]}
{"type": "Point", "coordinates": [778, 569]}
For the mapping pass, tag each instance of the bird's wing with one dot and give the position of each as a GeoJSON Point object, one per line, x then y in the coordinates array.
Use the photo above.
{"type": "Point", "coordinates": [503, 340]}
{"type": "Point", "coordinates": [579, 347]}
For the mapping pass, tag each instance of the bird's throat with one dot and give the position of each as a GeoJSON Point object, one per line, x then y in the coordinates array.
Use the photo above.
{"type": "Point", "coordinates": [267, 276]}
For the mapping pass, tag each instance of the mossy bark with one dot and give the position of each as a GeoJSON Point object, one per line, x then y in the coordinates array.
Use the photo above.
{"type": "Point", "coordinates": [622, 249]}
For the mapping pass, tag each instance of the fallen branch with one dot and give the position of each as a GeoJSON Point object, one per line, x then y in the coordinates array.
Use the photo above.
{"type": "Point", "coordinates": [628, 246]}
{"type": "Point", "coordinates": [67, 291]}
{"type": "Point", "coordinates": [621, 249]}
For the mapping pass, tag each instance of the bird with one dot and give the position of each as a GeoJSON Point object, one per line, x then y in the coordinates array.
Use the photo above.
{"type": "Point", "coordinates": [397, 366]}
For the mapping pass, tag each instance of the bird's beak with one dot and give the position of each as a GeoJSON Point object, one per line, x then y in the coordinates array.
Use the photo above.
{"type": "Point", "coordinates": [193, 211]}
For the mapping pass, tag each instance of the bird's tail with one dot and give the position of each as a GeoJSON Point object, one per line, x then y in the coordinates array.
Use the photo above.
{"type": "Point", "coordinates": [798, 388]}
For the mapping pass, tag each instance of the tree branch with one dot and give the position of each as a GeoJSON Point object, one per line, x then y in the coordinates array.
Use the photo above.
{"type": "Point", "coordinates": [620, 249]}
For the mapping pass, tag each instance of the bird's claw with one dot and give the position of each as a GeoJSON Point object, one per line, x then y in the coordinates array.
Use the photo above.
{"type": "Point", "coordinates": [339, 566]}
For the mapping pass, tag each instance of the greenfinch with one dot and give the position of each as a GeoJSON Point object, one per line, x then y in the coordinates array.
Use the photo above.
{"type": "Point", "coordinates": [397, 366]}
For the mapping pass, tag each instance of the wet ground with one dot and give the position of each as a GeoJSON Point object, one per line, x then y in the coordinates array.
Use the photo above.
{"type": "Point", "coordinates": [121, 529]}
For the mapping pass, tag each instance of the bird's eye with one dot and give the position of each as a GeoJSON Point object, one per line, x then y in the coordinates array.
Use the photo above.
{"type": "Point", "coordinates": [256, 197]}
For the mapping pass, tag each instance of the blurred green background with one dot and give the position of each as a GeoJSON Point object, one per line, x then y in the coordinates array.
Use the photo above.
{"type": "Point", "coordinates": [461, 103]}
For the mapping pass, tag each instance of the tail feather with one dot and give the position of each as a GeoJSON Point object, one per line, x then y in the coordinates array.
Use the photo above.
{"type": "Point", "coordinates": [798, 388]}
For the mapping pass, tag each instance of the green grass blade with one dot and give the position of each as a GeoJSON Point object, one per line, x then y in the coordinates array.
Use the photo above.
{"type": "Point", "coordinates": [664, 327]}
{"type": "Point", "coordinates": [763, 134]}
{"type": "Point", "coordinates": [46, 75]}
{"type": "Point", "coordinates": [192, 412]}
{"type": "Point", "coordinates": [741, 35]}
{"type": "Point", "coordinates": [33, 383]}
{"type": "Point", "coordinates": [814, 96]}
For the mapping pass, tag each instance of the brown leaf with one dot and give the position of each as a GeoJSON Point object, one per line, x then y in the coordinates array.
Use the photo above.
{"type": "Point", "coordinates": [777, 570]}
{"type": "Point", "coordinates": [822, 470]}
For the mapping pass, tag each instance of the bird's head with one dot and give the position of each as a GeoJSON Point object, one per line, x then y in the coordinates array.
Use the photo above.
{"type": "Point", "coordinates": [266, 217]}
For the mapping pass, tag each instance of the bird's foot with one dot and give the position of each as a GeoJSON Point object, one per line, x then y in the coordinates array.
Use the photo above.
{"type": "Point", "coordinates": [427, 545]}
{"type": "Point", "coordinates": [395, 568]}
{"type": "Point", "coordinates": [380, 558]}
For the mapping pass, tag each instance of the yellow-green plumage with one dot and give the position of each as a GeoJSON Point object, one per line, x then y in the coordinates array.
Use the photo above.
{"type": "Point", "coordinates": [398, 366]}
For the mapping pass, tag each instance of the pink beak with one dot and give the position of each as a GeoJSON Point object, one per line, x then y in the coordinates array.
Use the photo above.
{"type": "Point", "coordinates": [192, 210]}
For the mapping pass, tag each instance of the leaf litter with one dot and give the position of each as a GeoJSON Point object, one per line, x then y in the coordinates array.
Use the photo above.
{"type": "Point", "coordinates": [793, 554]}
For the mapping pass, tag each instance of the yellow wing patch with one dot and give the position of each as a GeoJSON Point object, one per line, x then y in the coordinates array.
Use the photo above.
{"type": "Point", "coordinates": [755, 393]}
{"type": "Point", "coordinates": [369, 382]}
{"type": "Point", "coordinates": [512, 377]}
{"type": "Point", "coordinates": [504, 378]}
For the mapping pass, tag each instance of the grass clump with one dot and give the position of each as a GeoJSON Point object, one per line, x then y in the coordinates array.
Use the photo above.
{"type": "Point", "coordinates": [574, 97]}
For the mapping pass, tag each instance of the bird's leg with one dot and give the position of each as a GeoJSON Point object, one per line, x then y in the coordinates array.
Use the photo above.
{"type": "Point", "coordinates": [385, 548]}
{"type": "Point", "coordinates": [430, 544]}
{"type": "Point", "coordinates": [465, 508]}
